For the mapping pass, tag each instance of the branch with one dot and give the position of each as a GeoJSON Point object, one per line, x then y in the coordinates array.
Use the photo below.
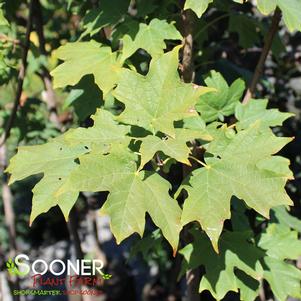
{"type": "Point", "coordinates": [193, 276]}
{"type": "Point", "coordinates": [264, 54]}
{"type": "Point", "coordinates": [21, 77]}
{"type": "Point", "coordinates": [50, 97]}
{"type": "Point", "coordinates": [187, 61]}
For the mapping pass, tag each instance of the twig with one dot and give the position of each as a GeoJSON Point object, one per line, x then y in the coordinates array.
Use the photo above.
{"type": "Point", "coordinates": [74, 236]}
{"type": "Point", "coordinates": [6, 191]}
{"type": "Point", "coordinates": [264, 54]}
{"type": "Point", "coordinates": [209, 24]}
{"type": "Point", "coordinates": [21, 77]}
{"type": "Point", "coordinates": [261, 293]}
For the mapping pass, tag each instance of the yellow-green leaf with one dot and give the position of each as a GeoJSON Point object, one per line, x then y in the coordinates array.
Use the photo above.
{"type": "Point", "coordinates": [235, 170]}
{"type": "Point", "coordinates": [55, 160]}
{"type": "Point", "coordinates": [150, 38]}
{"type": "Point", "coordinates": [158, 99]}
{"type": "Point", "coordinates": [132, 194]}
{"type": "Point", "coordinates": [81, 58]}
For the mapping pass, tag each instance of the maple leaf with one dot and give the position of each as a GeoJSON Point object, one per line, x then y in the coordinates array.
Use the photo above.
{"type": "Point", "coordinates": [81, 58]}
{"type": "Point", "coordinates": [283, 278]}
{"type": "Point", "coordinates": [55, 160]}
{"type": "Point", "coordinates": [242, 262]}
{"type": "Point", "coordinates": [222, 102]}
{"type": "Point", "coordinates": [102, 134]}
{"type": "Point", "coordinates": [198, 6]}
{"type": "Point", "coordinates": [110, 12]}
{"type": "Point", "coordinates": [281, 215]}
{"type": "Point", "coordinates": [150, 38]}
{"type": "Point", "coordinates": [291, 10]}
{"type": "Point", "coordinates": [85, 97]}
{"type": "Point", "coordinates": [132, 194]}
{"type": "Point", "coordinates": [243, 167]}
{"type": "Point", "coordinates": [256, 109]}
{"type": "Point", "coordinates": [281, 243]}
{"type": "Point", "coordinates": [278, 239]}
{"type": "Point", "coordinates": [236, 254]}
{"type": "Point", "coordinates": [158, 99]}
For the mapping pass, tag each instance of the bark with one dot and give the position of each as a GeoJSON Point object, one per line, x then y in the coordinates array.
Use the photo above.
{"type": "Point", "coordinates": [21, 77]}
{"type": "Point", "coordinates": [192, 276]}
{"type": "Point", "coordinates": [49, 96]}
{"type": "Point", "coordinates": [264, 54]}
{"type": "Point", "coordinates": [9, 218]}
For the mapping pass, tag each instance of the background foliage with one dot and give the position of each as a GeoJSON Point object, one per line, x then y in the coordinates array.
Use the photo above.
{"type": "Point", "coordinates": [156, 113]}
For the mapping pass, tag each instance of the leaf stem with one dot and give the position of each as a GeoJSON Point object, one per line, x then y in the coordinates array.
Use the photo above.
{"type": "Point", "coordinates": [199, 161]}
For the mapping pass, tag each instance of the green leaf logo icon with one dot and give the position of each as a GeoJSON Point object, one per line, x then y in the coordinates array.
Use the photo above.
{"type": "Point", "coordinates": [10, 265]}
{"type": "Point", "coordinates": [106, 276]}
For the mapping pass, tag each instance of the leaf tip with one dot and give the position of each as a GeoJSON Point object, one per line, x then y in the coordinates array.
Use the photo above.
{"type": "Point", "coordinates": [215, 246]}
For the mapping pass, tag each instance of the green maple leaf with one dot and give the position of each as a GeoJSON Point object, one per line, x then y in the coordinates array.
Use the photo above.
{"type": "Point", "coordinates": [243, 166]}
{"type": "Point", "coordinates": [291, 10]}
{"type": "Point", "coordinates": [110, 12]}
{"type": "Point", "coordinates": [241, 263]}
{"type": "Point", "coordinates": [81, 58]}
{"type": "Point", "coordinates": [283, 278]}
{"type": "Point", "coordinates": [256, 109]}
{"type": "Point", "coordinates": [247, 29]}
{"type": "Point", "coordinates": [150, 38]}
{"type": "Point", "coordinates": [132, 194]}
{"type": "Point", "coordinates": [284, 217]}
{"type": "Point", "coordinates": [55, 160]}
{"type": "Point", "coordinates": [198, 6]}
{"type": "Point", "coordinates": [280, 243]}
{"type": "Point", "coordinates": [222, 102]}
{"type": "Point", "coordinates": [85, 97]}
{"type": "Point", "coordinates": [173, 147]}
{"type": "Point", "coordinates": [221, 270]}
{"type": "Point", "coordinates": [158, 99]}
{"type": "Point", "coordinates": [266, 6]}
{"type": "Point", "coordinates": [102, 134]}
